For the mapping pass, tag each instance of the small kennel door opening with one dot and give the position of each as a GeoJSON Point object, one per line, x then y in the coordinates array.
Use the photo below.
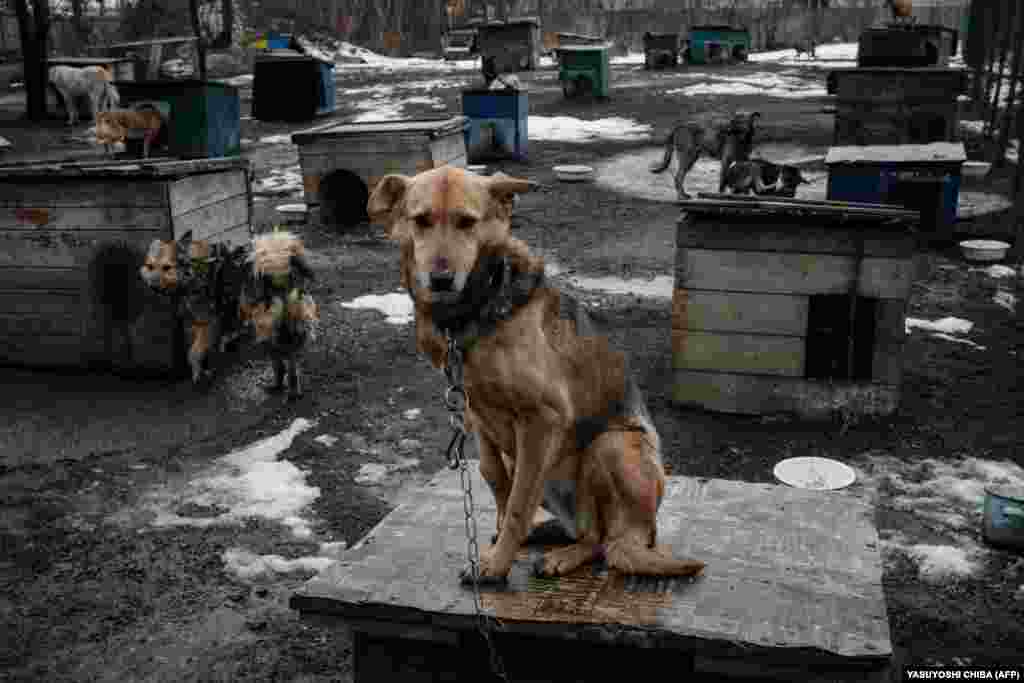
{"type": "Point", "coordinates": [830, 336]}
{"type": "Point", "coordinates": [343, 197]}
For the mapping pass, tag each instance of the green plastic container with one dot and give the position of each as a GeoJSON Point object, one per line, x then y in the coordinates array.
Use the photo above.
{"type": "Point", "coordinates": [584, 70]}
{"type": "Point", "coordinates": [1004, 517]}
{"type": "Point", "coordinates": [205, 118]}
{"type": "Point", "coordinates": [715, 43]}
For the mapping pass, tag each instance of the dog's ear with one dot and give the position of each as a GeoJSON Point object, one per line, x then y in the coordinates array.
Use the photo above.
{"type": "Point", "coordinates": [385, 197]}
{"type": "Point", "coordinates": [503, 187]}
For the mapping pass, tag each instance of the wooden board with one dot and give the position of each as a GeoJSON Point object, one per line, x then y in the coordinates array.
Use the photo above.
{"type": "Point", "coordinates": [212, 219]}
{"type": "Point", "coordinates": [739, 312]}
{"type": "Point", "coordinates": [787, 237]}
{"type": "Point", "coordinates": [731, 352]}
{"type": "Point", "coordinates": [105, 218]}
{"type": "Point", "coordinates": [791, 273]}
{"type": "Point", "coordinates": [384, 129]}
{"type": "Point", "coordinates": [194, 192]}
{"type": "Point", "coordinates": [793, 578]}
{"type": "Point", "coordinates": [49, 192]}
{"type": "Point", "coordinates": [766, 395]}
{"type": "Point", "coordinates": [139, 169]}
{"type": "Point", "coordinates": [63, 248]}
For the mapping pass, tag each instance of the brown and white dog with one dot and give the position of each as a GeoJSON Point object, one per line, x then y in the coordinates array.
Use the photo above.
{"type": "Point", "coordinates": [729, 142]}
{"type": "Point", "coordinates": [117, 125]}
{"type": "Point", "coordinates": [221, 290]}
{"type": "Point", "coordinates": [764, 178]}
{"type": "Point", "coordinates": [559, 419]}
{"type": "Point", "coordinates": [97, 82]}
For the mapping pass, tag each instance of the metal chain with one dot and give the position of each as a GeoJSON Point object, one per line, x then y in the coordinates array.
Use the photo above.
{"type": "Point", "coordinates": [456, 400]}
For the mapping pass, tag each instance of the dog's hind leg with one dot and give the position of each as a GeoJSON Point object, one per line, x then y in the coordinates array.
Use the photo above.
{"type": "Point", "coordinates": [685, 164]}
{"type": "Point", "coordinates": [589, 525]}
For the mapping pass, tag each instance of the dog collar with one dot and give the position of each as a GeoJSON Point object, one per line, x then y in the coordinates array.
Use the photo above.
{"type": "Point", "coordinates": [468, 322]}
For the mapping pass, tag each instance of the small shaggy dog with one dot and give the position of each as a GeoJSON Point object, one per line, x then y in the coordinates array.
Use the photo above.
{"type": "Point", "coordinates": [95, 81]}
{"type": "Point", "coordinates": [260, 285]}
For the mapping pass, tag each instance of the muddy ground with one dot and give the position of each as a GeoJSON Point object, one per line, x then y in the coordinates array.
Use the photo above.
{"type": "Point", "coordinates": [93, 590]}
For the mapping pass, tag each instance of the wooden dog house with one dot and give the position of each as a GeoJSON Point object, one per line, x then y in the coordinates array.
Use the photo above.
{"type": "Point", "coordinates": [72, 239]}
{"type": "Point", "coordinates": [790, 306]}
{"type": "Point", "coordinates": [342, 163]}
{"type": "Point", "coordinates": [895, 105]}
{"type": "Point", "coordinates": [514, 45]}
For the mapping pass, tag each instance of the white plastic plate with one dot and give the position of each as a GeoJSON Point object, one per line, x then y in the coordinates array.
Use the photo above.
{"type": "Point", "coordinates": [814, 473]}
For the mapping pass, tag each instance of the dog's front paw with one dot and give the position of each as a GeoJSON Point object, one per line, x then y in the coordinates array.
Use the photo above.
{"type": "Point", "coordinates": [488, 572]}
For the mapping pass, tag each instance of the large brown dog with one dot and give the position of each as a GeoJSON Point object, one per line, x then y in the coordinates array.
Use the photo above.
{"type": "Point", "coordinates": [558, 418]}
{"type": "Point", "coordinates": [729, 142]}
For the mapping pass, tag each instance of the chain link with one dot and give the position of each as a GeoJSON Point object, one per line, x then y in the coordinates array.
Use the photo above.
{"type": "Point", "coordinates": [457, 401]}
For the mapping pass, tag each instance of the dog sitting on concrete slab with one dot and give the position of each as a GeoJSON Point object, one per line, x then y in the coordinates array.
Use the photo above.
{"type": "Point", "coordinates": [96, 82]}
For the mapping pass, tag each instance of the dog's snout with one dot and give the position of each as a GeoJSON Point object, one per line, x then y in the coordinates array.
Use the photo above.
{"type": "Point", "coordinates": [442, 282]}
{"type": "Point", "coordinates": [441, 263]}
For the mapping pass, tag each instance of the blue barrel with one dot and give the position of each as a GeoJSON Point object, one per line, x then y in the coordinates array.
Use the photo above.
{"type": "Point", "coordinates": [497, 124]}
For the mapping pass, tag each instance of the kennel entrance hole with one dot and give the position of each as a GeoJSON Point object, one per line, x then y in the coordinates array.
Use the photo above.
{"type": "Point", "coordinates": [830, 334]}
{"type": "Point", "coordinates": [343, 197]}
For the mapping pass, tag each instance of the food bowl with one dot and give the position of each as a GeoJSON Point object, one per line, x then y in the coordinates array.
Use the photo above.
{"type": "Point", "coordinates": [984, 250]}
{"type": "Point", "coordinates": [975, 169]}
{"type": "Point", "coordinates": [573, 173]}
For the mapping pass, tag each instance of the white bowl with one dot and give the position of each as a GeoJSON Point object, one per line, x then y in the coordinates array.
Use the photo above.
{"type": "Point", "coordinates": [984, 250]}
{"type": "Point", "coordinates": [573, 173]}
{"type": "Point", "coordinates": [976, 169]}
{"type": "Point", "coordinates": [292, 210]}
{"type": "Point", "coordinates": [817, 474]}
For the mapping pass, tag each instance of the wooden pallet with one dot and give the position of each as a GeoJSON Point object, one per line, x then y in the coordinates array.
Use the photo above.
{"type": "Point", "coordinates": [792, 589]}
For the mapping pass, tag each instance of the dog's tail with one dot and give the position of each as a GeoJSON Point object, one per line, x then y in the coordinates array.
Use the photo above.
{"type": "Point", "coordinates": [632, 557]}
{"type": "Point", "coordinates": [670, 148]}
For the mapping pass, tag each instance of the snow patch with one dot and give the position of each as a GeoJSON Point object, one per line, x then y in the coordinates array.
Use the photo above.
{"type": "Point", "coordinates": [397, 306]}
{"type": "Point", "coordinates": [250, 482]}
{"type": "Point", "coordinates": [943, 325]}
{"type": "Point", "coordinates": [248, 565]}
{"type": "Point", "coordinates": [375, 472]}
{"type": "Point", "coordinates": [280, 181]}
{"type": "Point", "coordinates": [572, 129]}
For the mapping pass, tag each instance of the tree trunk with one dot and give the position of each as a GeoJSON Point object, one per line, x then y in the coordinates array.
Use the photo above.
{"type": "Point", "coordinates": [1009, 113]}
{"type": "Point", "coordinates": [34, 30]}
{"type": "Point", "coordinates": [81, 27]}
{"type": "Point", "coordinates": [193, 10]}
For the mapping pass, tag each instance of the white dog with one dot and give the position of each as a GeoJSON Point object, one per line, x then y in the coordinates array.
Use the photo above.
{"type": "Point", "coordinates": [94, 81]}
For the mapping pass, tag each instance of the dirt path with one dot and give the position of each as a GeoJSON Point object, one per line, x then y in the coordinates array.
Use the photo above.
{"type": "Point", "coordinates": [136, 547]}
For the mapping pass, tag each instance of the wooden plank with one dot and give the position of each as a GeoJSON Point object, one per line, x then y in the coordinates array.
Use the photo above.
{"type": "Point", "coordinates": [742, 235]}
{"type": "Point", "coordinates": [71, 249]}
{"type": "Point", "coordinates": [343, 147]}
{"type": "Point", "coordinates": [213, 219]}
{"type": "Point", "coordinates": [193, 192]}
{"type": "Point", "coordinates": [789, 273]}
{"type": "Point", "coordinates": [741, 353]}
{"type": "Point", "coordinates": [55, 279]}
{"type": "Point", "coordinates": [66, 322]}
{"type": "Point", "coordinates": [763, 272]}
{"type": "Point", "coordinates": [793, 576]}
{"type": "Point", "coordinates": [739, 312]}
{"type": "Point", "coordinates": [106, 170]}
{"type": "Point", "coordinates": [760, 394]}
{"type": "Point", "coordinates": [886, 278]}
{"type": "Point", "coordinates": [108, 218]}
{"type": "Point", "coordinates": [43, 350]}
{"type": "Point", "coordinates": [51, 192]}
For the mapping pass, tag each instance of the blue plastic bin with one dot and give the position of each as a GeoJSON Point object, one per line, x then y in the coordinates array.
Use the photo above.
{"type": "Point", "coordinates": [497, 124]}
{"type": "Point", "coordinates": [278, 41]}
{"type": "Point", "coordinates": [925, 178]}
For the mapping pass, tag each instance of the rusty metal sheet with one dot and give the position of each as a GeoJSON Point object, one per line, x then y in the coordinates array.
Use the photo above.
{"type": "Point", "coordinates": [787, 571]}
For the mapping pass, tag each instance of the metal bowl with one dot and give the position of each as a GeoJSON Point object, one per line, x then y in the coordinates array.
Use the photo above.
{"type": "Point", "coordinates": [984, 250]}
